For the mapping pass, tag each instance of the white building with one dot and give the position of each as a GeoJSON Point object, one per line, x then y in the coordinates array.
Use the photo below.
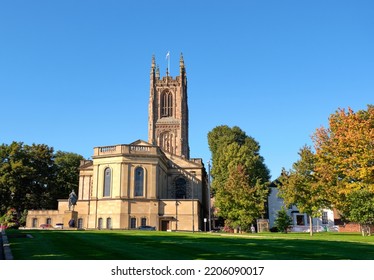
{"type": "Point", "coordinates": [300, 220]}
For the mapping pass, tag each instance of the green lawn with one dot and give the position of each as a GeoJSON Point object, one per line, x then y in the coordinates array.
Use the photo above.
{"type": "Point", "coordinates": [143, 245]}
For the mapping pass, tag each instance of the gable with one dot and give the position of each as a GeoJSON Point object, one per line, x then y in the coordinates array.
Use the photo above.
{"type": "Point", "coordinates": [140, 142]}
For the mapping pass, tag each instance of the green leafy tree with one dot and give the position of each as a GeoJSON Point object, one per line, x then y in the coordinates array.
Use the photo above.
{"type": "Point", "coordinates": [39, 158]}
{"type": "Point", "coordinates": [240, 175]}
{"type": "Point", "coordinates": [23, 175]}
{"type": "Point", "coordinates": [239, 202]}
{"type": "Point", "coordinates": [360, 209]}
{"type": "Point", "coordinates": [219, 139]}
{"type": "Point", "coordinates": [301, 187]}
{"type": "Point", "coordinates": [283, 221]}
{"type": "Point", "coordinates": [67, 175]}
{"type": "Point", "coordinates": [10, 219]}
{"type": "Point", "coordinates": [22, 218]}
{"type": "Point", "coordinates": [31, 176]}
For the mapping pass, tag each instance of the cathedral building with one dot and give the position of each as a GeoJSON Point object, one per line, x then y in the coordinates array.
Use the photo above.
{"type": "Point", "coordinates": [153, 183]}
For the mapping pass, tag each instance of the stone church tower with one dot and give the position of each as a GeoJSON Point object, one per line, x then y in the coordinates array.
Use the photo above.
{"type": "Point", "coordinates": [168, 111]}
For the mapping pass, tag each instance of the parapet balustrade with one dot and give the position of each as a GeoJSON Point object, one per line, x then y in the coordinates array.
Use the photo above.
{"type": "Point", "coordinates": [107, 149]}
{"type": "Point", "coordinates": [124, 149]}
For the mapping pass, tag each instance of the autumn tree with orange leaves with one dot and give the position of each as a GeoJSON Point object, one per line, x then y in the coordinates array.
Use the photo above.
{"type": "Point", "coordinates": [345, 157]}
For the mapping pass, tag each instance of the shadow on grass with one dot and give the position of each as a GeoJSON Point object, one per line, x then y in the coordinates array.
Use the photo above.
{"type": "Point", "coordinates": [130, 245]}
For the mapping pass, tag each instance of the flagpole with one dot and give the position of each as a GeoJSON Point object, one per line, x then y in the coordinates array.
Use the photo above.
{"type": "Point", "coordinates": [168, 58]}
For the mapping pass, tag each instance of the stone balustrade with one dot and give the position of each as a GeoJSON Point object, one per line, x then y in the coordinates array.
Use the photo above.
{"type": "Point", "coordinates": [125, 149]}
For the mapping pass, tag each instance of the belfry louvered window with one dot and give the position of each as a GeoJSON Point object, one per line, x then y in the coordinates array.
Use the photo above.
{"type": "Point", "coordinates": [166, 104]}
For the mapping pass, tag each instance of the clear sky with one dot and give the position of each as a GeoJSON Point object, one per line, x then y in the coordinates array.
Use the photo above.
{"type": "Point", "coordinates": [74, 74]}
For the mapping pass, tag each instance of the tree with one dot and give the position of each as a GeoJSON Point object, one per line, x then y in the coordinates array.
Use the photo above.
{"type": "Point", "coordinates": [219, 140]}
{"type": "Point", "coordinates": [345, 155]}
{"type": "Point", "coordinates": [25, 173]}
{"type": "Point", "coordinates": [301, 187]}
{"type": "Point", "coordinates": [67, 174]}
{"type": "Point", "coordinates": [360, 209]}
{"type": "Point", "coordinates": [240, 176]}
{"type": "Point", "coordinates": [9, 219]}
{"type": "Point", "coordinates": [239, 202]}
{"type": "Point", "coordinates": [283, 221]}
{"type": "Point", "coordinates": [31, 176]}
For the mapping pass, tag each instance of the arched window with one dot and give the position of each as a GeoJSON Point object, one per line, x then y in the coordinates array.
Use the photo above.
{"type": "Point", "coordinates": [166, 104]}
{"type": "Point", "coordinates": [143, 221]}
{"type": "Point", "coordinates": [180, 188]}
{"type": "Point", "coordinates": [139, 181]}
{"type": "Point", "coordinates": [34, 222]}
{"type": "Point", "coordinates": [100, 223]}
{"type": "Point", "coordinates": [107, 181]}
{"type": "Point", "coordinates": [109, 223]}
{"type": "Point", "coordinates": [49, 221]}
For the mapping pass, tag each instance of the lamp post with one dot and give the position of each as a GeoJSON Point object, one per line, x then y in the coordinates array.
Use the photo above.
{"type": "Point", "coordinates": [193, 208]}
{"type": "Point", "coordinates": [209, 217]}
{"type": "Point", "coordinates": [176, 215]}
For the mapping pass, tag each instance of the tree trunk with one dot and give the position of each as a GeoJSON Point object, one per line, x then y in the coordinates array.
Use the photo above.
{"type": "Point", "coordinates": [311, 225]}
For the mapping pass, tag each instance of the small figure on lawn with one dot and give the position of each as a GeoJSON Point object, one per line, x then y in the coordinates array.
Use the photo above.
{"type": "Point", "coordinates": [253, 230]}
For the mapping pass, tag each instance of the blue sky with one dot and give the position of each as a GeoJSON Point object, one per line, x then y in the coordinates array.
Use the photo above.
{"type": "Point", "coordinates": [75, 74]}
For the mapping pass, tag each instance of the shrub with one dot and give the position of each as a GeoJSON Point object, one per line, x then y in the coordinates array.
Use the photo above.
{"type": "Point", "coordinates": [283, 221]}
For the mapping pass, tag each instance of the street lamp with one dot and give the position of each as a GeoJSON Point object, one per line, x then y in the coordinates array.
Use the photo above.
{"type": "Point", "coordinates": [193, 208]}
{"type": "Point", "coordinates": [176, 215]}
{"type": "Point", "coordinates": [209, 222]}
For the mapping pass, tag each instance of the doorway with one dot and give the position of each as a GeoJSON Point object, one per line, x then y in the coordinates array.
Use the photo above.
{"type": "Point", "coordinates": [165, 225]}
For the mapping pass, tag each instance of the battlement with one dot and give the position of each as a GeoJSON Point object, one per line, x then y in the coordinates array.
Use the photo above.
{"type": "Point", "coordinates": [169, 81]}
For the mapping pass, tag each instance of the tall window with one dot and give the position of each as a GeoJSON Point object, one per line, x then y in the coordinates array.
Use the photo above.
{"type": "Point", "coordinates": [48, 221]}
{"type": "Point", "coordinates": [144, 221]}
{"type": "Point", "coordinates": [325, 219]}
{"type": "Point", "coordinates": [180, 188]}
{"type": "Point", "coordinates": [100, 223]}
{"type": "Point", "coordinates": [166, 104]}
{"type": "Point", "coordinates": [139, 181]}
{"type": "Point", "coordinates": [133, 223]}
{"type": "Point", "coordinates": [109, 223]}
{"type": "Point", "coordinates": [107, 181]}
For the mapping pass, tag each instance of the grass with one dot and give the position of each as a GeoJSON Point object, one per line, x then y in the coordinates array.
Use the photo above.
{"type": "Point", "coordinates": [143, 245]}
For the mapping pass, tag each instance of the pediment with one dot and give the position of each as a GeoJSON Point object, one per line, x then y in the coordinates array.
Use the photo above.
{"type": "Point", "coordinates": [140, 142]}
